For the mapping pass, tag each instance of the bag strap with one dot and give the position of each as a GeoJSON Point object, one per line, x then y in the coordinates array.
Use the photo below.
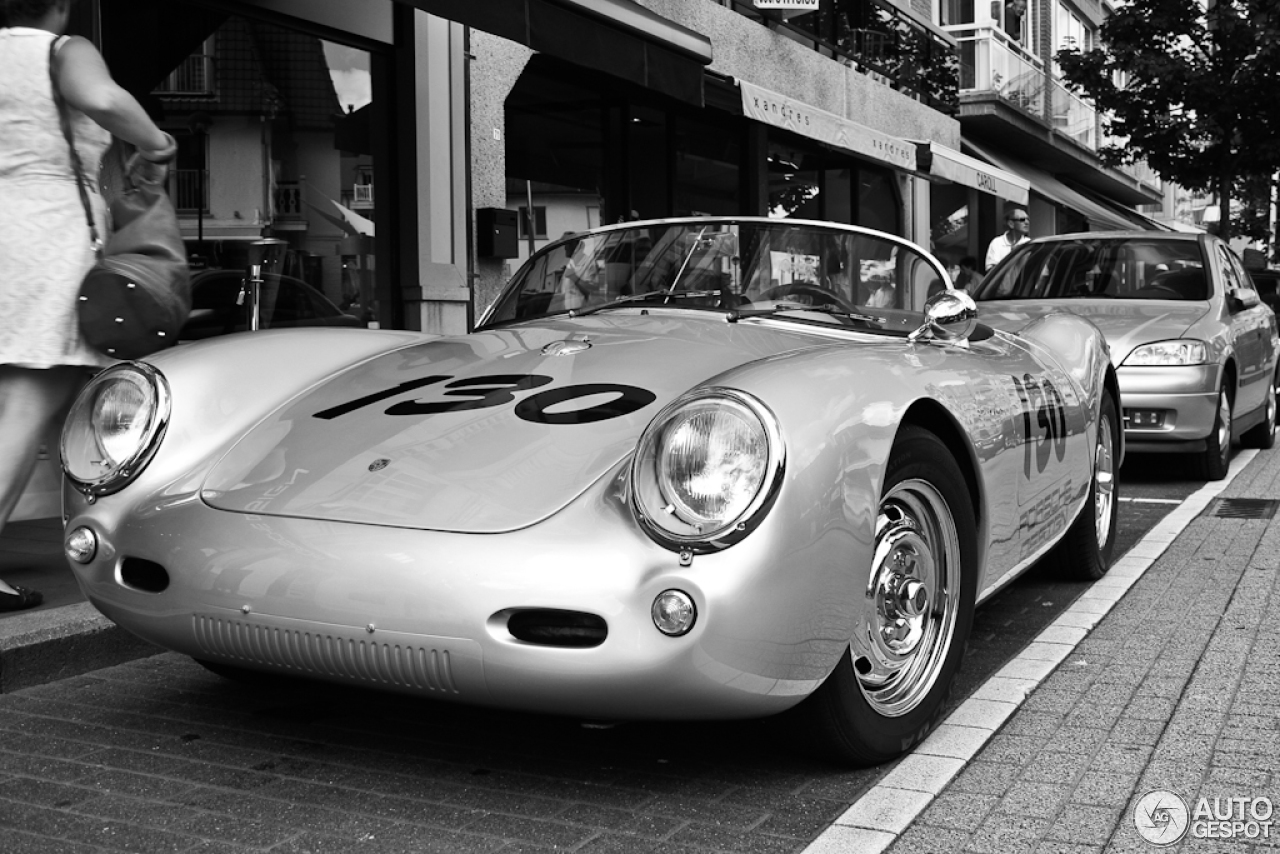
{"type": "Point", "coordinates": [64, 119]}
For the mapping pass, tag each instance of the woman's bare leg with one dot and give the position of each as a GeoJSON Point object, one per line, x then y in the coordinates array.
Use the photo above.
{"type": "Point", "coordinates": [30, 401]}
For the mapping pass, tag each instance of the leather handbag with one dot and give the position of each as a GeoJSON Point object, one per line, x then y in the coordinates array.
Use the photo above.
{"type": "Point", "coordinates": [136, 296]}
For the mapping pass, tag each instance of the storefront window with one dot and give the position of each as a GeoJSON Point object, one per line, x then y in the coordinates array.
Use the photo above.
{"type": "Point", "coordinates": [277, 130]}
{"type": "Point", "coordinates": [794, 189]}
{"type": "Point", "coordinates": [949, 218]}
{"type": "Point", "coordinates": [707, 162]}
{"type": "Point", "coordinates": [555, 152]}
{"type": "Point", "coordinates": [879, 205]}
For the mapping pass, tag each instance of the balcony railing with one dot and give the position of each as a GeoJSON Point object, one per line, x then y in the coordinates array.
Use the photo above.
{"type": "Point", "coordinates": [1073, 116]}
{"type": "Point", "coordinates": [189, 190]}
{"type": "Point", "coordinates": [194, 76]}
{"type": "Point", "coordinates": [877, 38]}
{"type": "Point", "coordinates": [990, 62]}
{"type": "Point", "coordinates": [288, 200]}
{"type": "Point", "coordinates": [1139, 171]}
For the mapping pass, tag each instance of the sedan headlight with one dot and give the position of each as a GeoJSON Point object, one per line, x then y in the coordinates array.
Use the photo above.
{"type": "Point", "coordinates": [706, 469]}
{"type": "Point", "coordinates": [1168, 354]}
{"type": "Point", "coordinates": [114, 427]}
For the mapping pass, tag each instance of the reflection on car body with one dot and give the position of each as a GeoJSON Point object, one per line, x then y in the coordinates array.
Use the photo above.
{"type": "Point", "coordinates": [719, 484]}
{"type": "Point", "coordinates": [1195, 348]}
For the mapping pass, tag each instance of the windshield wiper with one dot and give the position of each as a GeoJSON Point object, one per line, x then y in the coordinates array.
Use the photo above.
{"type": "Point", "coordinates": [663, 294]}
{"type": "Point", "coordinates": [829, 308]}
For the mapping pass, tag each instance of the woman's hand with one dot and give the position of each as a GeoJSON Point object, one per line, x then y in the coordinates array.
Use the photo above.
{"type": "Point", "coordinates": [151, 166]}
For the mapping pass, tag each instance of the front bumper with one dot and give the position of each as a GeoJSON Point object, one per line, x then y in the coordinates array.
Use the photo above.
{"type": "Point", "coordinates": [1183, 402]}
{"type": "Point", "coordinates": [420, 612]}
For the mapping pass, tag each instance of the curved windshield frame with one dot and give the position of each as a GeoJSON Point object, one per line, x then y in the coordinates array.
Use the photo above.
{"type": "Point", "coordinates": [1101, 268]}
{"type": "Point", "coordinates": [801, 270]}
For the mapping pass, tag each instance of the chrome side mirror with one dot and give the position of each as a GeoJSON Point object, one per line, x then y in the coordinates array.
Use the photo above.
{"type": "Point", "coordinates": [948, 316]}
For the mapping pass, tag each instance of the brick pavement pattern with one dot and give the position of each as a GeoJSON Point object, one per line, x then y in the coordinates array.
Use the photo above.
{"type": "Point", "coordinates": [159, 755]}
{"type": "Point", "coordinates": [1176, 689]}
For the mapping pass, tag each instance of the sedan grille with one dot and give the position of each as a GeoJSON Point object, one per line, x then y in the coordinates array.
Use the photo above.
{"type": "Point", "coordinates": [328, 653]}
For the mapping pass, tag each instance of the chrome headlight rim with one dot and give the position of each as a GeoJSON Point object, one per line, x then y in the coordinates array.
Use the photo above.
{"type": "Point", "coordinates": [1198, 358]}
{"type": "Point", "coordinates": [643, 477]}
{"type": "Point", "coordinates": [153, 431]}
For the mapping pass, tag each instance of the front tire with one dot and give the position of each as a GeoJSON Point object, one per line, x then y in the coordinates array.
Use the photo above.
{"type": "Point", "coordinates": [889, 688]}
{"type": "Point", "coordinates": [1212, 463]}
{"type": "Point", "coordinates": [1084, 554]}
{"type": "Point", "coordinates": [1263, 436]}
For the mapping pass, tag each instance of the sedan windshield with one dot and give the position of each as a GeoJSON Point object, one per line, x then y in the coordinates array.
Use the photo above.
{"type": "Point", "coordinates": [805, 271]}
{"type": "Point", "coordinates": [1100, 268]}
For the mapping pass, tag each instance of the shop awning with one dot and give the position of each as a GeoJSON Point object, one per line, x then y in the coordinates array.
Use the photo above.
{"type": "Point", "coordinates": [944, 162]}
{"type": "Point", "coordinates": [619, 37]}
{"type": "Point", "coordinates": [1100, 217]}
{"type": "Point", "coordinates": [798, 117]}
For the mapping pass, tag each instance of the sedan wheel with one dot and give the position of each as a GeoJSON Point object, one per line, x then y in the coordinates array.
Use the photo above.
{"type": "Point", "coordinates": [1084, 553]}
{"type": "Point", "coordinates": [1264, 435]}
{"type": "Point", "coordinates": [887, 693]}
{"type": "Point", "coordinates": [1212, 463]}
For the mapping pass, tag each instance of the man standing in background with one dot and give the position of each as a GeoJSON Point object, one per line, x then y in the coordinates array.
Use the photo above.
{"type": "Point", "coordinates": [1017, 227]}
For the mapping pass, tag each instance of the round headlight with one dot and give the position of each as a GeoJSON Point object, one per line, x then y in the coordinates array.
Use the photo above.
{"type": "Point", "coordinates": [114, 427]}
{"type": "Point", "coordinates": [706, 467]}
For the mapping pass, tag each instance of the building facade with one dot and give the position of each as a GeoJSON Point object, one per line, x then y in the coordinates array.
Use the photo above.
{"type": "Point", "coordinates": [410, 153]}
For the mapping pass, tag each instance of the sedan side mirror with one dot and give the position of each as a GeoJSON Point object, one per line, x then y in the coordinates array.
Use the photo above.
{"type": "Point", "coordinates": [1244, 298]}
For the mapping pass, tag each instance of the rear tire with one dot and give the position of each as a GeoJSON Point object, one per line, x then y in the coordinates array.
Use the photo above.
{"type": "Point", "coordinates": [888, 690]}
{"type": "Point", "coordinates": [1212, 463]}
{"type": "Point", "coordinates": [1084, 554]}
{"type": "Point", "coordinates": [1263, 436]}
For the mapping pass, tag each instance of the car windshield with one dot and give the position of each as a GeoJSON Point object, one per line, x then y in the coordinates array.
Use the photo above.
{"type": "Point", "coordinates": [1100, 268]}
{"type": "Point", "coordinates": [810, 272]}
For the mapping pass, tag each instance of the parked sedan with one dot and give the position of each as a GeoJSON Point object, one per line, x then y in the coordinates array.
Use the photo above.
{"type": "Point", "coordinates": [219, 305]}
{"type": "Point", "coordinates": [678, 472]}
{"type": "Point", "coordinates": [1194, 345]}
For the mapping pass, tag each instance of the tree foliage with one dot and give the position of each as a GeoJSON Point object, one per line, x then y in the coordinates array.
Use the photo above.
{"type": "Point", "coordinates": [1194, 93]}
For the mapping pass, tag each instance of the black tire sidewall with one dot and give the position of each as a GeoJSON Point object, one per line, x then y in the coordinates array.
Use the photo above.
{"type": "Point", "coordinates": [1216, 459]}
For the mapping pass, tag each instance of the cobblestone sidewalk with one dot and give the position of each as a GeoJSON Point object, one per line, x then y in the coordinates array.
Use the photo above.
{"type": "Point", "coordinates": [1176, 690]}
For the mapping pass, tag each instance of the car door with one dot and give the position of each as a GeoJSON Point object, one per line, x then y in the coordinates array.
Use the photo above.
{"type": "Point", "coordinates": [1250, 333]}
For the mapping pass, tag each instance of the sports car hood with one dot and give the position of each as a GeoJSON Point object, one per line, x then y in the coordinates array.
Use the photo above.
{"type": "Point", "coordinates": [483, 433]}
{"type": "Point", "coordinates": [1124, 324]}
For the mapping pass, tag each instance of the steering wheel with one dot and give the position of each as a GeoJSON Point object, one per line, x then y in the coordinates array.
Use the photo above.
{"type": "Point", "coordinates": [817, 296]}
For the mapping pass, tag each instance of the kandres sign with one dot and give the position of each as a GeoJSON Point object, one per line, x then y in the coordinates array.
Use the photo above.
{"type": "Point", "coordinates": [789, 5]}
{"type": "Point", "coordinates": [798, 117]}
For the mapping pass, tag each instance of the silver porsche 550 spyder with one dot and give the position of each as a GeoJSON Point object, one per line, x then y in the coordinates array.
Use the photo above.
{"type": "Point", "coordinates": [683, 469]}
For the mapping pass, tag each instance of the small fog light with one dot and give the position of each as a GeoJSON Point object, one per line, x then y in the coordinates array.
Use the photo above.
{"type": "Point", "coordinates": [674, 613]}
{"type": "Point", "coordinates": [81, 545]}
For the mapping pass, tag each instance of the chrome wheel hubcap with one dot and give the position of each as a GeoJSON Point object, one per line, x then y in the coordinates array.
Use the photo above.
{"type": "Point", "coordinates": [1104, 481]}
{"type": "Point", "coordinates": [1271, 407]}
{"type": "Point", "coordinates": [1224, 425]}
{"type": "Point", "coordinates": [912, 599]}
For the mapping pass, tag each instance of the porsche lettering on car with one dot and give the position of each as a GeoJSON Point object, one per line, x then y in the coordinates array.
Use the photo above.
{"type": "Point", "coordinates": [704, 468]}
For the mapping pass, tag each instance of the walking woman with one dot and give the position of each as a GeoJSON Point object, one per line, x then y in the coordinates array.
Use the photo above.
{"type": "Point", "coordinates": [44, 239]}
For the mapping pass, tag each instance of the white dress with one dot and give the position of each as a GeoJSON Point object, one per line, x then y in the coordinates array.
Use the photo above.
{"type": "Point", "coordinates": [44, 238]}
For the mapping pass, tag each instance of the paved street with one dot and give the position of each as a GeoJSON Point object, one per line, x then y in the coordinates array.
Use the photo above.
{"type": "Point", "coordinates": [1173, 688]}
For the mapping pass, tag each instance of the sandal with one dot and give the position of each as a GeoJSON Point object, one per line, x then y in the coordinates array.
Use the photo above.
{"type": "Point", "coordinates": [23, 598]}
